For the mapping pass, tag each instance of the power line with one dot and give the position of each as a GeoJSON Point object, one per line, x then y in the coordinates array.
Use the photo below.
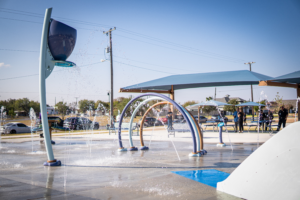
{"type": "Point", "coordinates": [156, 65]}
{"type": "Point", "coordinates": [57, 93]}
{"type": "Point", "coordinates": [31, 14]}
{"type": "Point", "coordinates": [227, 58]}
{"type": "Point", "coordinates": [179, 45]}
{"type": "Point", "coordinates": [38, 74]}
{"type": "Point", "coordinates": [19, 50]}
{"type": "Point", "coordinates": [144, 68]}
{"type": "Point", "coordinates": [18, 77]}
{"type": "Point", "coordinates": [96, 63]}
{"type": "Point", "coordinates": [177, 49]}
{"type": "Point", "coordinates": [114, 56]}
{"type": "Point", "coordinates": [40, 23]}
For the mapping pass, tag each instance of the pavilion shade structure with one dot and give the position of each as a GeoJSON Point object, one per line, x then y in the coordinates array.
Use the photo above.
{"type": "Point", "coordinates": [250, 104]}
{"type": "Point", "coordinates": [208, 103]}
{"type": "Point", "coordinates": [293, 77]}
{"type": "Point", "coordinates": [211, 79]}
{"type": "Point", "coordinates": [291, 80]}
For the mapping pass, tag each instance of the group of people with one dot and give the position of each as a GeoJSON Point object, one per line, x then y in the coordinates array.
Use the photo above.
{"type": "Point", "coordinates": [240, 118]}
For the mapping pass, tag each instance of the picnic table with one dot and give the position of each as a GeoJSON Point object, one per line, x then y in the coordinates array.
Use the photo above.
{"type": "Point", "coordinates": [262, 122]}
{"type": "Point", "coordinates": [214, 124]}
{"type": "Point", "coordinates": [125, 126]}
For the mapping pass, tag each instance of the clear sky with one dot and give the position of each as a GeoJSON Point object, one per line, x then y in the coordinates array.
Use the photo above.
{"type": "Point", "coordinates": [153, 39]}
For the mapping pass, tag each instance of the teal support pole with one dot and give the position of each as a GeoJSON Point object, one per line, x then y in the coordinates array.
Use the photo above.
{"type": "Point", "coordinates": [48, 59]}
{"type": "Point", "coordinates": [46, 67]}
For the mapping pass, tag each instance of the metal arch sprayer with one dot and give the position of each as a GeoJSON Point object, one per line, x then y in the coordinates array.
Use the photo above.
{"type": "Point", "coordinates": [171, 101]}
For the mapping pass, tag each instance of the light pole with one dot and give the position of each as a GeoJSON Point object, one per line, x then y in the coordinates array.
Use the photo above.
{"type": "Point", "coordinates": [249, 63]}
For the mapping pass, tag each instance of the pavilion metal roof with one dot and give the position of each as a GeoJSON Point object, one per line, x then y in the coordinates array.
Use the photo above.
{"type": "Point", "coordinates": [293, 77]}
{"type": "Point", "coordinates": [211, 79]}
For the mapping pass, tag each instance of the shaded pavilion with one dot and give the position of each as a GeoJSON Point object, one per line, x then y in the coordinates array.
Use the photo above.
{"type": "Point", "coordinates": [291, 80]}
{"type": "Point", "coordinates": [169, 84]}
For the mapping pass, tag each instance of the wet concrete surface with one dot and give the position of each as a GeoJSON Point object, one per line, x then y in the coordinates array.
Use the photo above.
{"type": "Point", "coordinates": [94, 169]}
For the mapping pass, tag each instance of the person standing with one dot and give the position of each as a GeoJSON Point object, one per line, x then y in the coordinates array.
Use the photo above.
{"type": "Point", "coordinates": [169, 118]}
{"type": "Point", "coordinates": [262, 117]}
{"type": "Point", "coordinates": [241, 119]}
{"type": "Point", "coordinates": [236, 118]}
{"type": "Point", "coordinates": [269, 118]}
{"type": "Point", "coordinates": [282, 115]}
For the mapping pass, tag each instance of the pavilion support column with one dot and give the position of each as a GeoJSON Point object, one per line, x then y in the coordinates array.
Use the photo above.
{"type": "Point", "coordinates": [298, 95]}
{"type": "Point", "coordinates": [199, 114]}
{"type": "Point", "coordinates": [172, 96]}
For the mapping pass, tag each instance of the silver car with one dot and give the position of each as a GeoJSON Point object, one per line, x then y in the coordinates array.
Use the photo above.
{"type": "Point", "coordinates": [14, 127]}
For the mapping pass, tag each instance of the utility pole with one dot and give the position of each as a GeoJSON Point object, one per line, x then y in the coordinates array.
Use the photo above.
{"type": "Point", "coordinates": [111, 76]}
{"type": "Point", "coordinates": [76, 100]}
{"type": "Point", "coordinates": [215, 93]}
{"type": "Point", "coordinates": [75, 109]}
{"type": "Point", "coordinates": [249, 63]}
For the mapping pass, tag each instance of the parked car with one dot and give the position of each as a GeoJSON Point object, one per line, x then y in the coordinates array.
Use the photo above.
{"type": "Point", "coordinates": [163, 119]}
{"type": "Point", "coordinates": [214, 117]}
{"type": "Point", "coordinates": [179, 117]}
{"type": "Point", "coordinates": [79, 123]}
{"type": "Point", "coordinates": [178, 121]}
{"type": "Point", "coordinates": [150, 121]}
{"type": "Point", "coordinates": [146, 124]}
{"type": "Point", "coordinates": [202, 118]}
{"type": "Point", "coordinates": [58, 121]}
{"type": "Point", "coordinates": [14, 127]}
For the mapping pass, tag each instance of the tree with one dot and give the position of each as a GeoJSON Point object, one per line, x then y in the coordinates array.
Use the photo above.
{"type": "Point", "coordinates": [62, 109]}
{"type": "Point", "coordinates": [289, 106]}
{"type": "Point", "coordinates": [188, 103]}
{"type": "Point", "coordinates": [35, 105]}
{"type": "Point", "coordinates": [278, 101]}
{"type": "Point", "coordinates": [85, 105]}
{"type": "Point", "coordinates": [208, 109]}
{"type": "Point", "coordinates": [233, 107]}
{"type": "Point", "coordinates": [8, 104]}
{"type": "Point", "coordinates": [72, 107]}
{"type": "Point", "coordinates": [105, 104]}
{"type": "Point", "coordinates": [256, 108]}
{"type": "Point", "coordinates": [22, 105]}
{"type": "Point", "coordinates": [209, 98]}
{"type": "Point", "coordinates": [11, 113]}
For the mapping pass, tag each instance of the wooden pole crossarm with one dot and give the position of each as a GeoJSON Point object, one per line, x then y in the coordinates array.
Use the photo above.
{"type": "Point", "coordinates": [277, 84]}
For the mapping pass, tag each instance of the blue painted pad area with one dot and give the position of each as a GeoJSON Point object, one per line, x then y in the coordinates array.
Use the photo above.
{"type": "Point", "coordinates": [209, 177]}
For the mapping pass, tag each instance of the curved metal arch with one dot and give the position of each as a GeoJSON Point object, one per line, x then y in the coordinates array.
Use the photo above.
{"type": "Point", "coordinates": [134, 113]}
{"type": "Point", "coordinates": [195, 126]}
{"type": "Point", "coordinates": [144, 117]}
{"type": "Point", "coordinates": [166, 98]}
{"type": "Point", "coordinates": [199, 136]}
{"type": "Point", "coordinates": [199, 132]}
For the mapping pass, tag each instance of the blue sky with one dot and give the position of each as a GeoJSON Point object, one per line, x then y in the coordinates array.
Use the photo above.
{"type": "Point", "coordinates": [153, 39]}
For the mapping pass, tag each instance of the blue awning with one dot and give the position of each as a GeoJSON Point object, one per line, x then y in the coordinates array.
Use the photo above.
{"type": "Point", "coordinates": [210, 103]}
{"type": "Point", "coordinates": [250, 104]}
{"type": "Point", "coordinates": [212, 79]}
{"type": "Point", "coordinates": [293, 77]}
